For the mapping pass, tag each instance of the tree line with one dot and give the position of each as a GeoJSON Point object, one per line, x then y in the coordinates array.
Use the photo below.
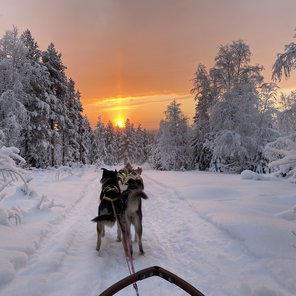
{"type": "Point", "coordinates": [40, 108]}
{"type": "Point", "coordinates": [237, 114]}
{"type": "Point", "coordinates": [237, 117]}
{"type": "Point", "coordinates": [41, 112]}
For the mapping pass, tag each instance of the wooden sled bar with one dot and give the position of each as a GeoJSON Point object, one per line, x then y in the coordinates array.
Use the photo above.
{"type": "Point", "coordinates": [149, 272]}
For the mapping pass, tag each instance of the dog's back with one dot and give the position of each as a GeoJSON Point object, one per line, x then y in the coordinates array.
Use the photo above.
{"type": "Point", "coordinates": [110, 203]}
{"type": "Point", "coordinates": [132, 213]}
{"type": "Point", "coordinates": [134, 201]}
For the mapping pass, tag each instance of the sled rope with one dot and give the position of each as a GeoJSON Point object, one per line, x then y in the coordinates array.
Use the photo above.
{"type": "Point", "coordinates": [127, 250]}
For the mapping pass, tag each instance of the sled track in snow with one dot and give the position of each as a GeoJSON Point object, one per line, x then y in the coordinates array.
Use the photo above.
{"type": "Point", "coordinates": [67, 238]}
{"type": "Point", "coordinates": [175, 237]}
{"type": "Point", "coordinates": [197, 238]}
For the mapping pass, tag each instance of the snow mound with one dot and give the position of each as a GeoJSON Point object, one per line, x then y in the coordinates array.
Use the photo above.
{"type": "Point", "coordinates": [289, 214]}
{"type": "Point", "coordinates": [249, 175]}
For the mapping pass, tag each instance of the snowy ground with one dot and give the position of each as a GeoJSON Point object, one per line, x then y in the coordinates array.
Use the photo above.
{"type": "Point", "coordinates": [225, 234]}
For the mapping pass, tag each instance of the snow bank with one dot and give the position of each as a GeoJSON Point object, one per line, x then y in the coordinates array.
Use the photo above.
{"type": "Point", "coordinates": [249, 175]}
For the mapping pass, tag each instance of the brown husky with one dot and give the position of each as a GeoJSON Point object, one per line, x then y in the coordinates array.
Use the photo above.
{"type": "Point", "coordinates": [132, 213]}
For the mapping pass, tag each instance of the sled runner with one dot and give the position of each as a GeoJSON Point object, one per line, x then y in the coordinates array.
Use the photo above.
{"type": "Point", "coordinates": [149, 272]}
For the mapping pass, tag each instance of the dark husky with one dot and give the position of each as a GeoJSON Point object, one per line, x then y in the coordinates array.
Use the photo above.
{"type": "Point", "coordinates": [132, 213]}
{"type": "Point", "coordinates": [110, 201]}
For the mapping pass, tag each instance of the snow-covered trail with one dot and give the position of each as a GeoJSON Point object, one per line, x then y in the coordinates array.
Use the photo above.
{"type": "Point", "coordinates": [66, 253]}
{"type": "Point", "coordinates": [206, 256]}
{"type": "Point", "coordinates": [176, 237]}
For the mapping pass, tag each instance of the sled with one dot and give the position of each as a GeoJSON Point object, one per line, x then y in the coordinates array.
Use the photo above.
{"type": "Point", "coordinates": [147, 273]}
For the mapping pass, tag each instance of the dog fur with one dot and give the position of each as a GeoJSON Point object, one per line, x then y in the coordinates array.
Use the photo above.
{"type": "Point", "coordinates": [132, 213]}
{"type": "Point", "coordinates": [127, 205]}
{"type": "Point", "coordinates": [106, 216]}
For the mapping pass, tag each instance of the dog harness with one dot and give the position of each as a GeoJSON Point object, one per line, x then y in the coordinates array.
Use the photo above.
{"type": "Point", "coordinates": [108, 189]}
{"type": "Point", "coordinates": [122, 174]}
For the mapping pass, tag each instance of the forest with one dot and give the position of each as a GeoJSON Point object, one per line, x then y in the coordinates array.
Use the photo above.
{"type": "Point", "coordinates": [241, 121]}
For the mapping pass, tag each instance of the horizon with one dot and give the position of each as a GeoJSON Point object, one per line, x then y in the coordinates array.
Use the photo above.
{"type": "Point", "coordinates": [131, 60]}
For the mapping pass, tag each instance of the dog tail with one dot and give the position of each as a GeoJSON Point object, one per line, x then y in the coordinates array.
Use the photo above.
{"type": "Point", "coordinates": [138, 193]}
{"type": "Point", "coordinates": [104, 218]}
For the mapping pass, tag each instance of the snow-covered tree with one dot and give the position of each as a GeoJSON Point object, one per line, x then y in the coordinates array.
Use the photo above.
{"type": "Point", "coordinates": [40, 110]}
{"type": "Point", "coordinates": [51, 59]}
{"type": "Point", "coordinates": [13, 114]}
{"type": "Point", "coordinates": [73, 117]}
{"type": "Point", "coordinates": [282, 155]}
{"type": "Point", "coordinates": [35, 81]}
{"type": "Point", "coordinates": [9, 169]}
{"type": "Point", "coordinates": [112, 137]}
{"type": "Point", "coordinates": [231, 109]}
{"type": "Point", "coordinates": [12, 53]}
{"type": "Point", "coordinates": [285, 62]}
{"type": "Point", "coordinates": [85, 136]}
{"type": "Point", "coordinates": [100, 144]}
{"type": "Point", "coordinates": [229, 155]}
{"type": "Point", "coordinates": [13, 117]}
{"type": "Point", "coordinates": [286, 117]}
{"type": "Point", "coordinates": [172, 150]}
{"type": "Point", "coordinates": [127, 145]}
{"type": "Point", "coordinates": [142, 144]}
{"type": "Point", "coordinates": [204, 98]}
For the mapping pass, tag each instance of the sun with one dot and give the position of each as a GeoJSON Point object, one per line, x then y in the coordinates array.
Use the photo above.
{"type": "Point", "coordinates": [119, 123]}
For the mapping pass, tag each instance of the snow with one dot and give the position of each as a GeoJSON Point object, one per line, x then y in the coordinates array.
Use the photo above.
{"type": "Point", "coordinates": [224, 234]}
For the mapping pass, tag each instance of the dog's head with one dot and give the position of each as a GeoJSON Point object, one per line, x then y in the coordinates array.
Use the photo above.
{"type": "Point", "coordinates": [139, 170]}
{"type": "Point", "coordinates": [136, 172]}
{"type": "Point", "coordinates": [108, 175]}
{"type": "Point", "coordinates": [128, 167]}
{"type": "Point", "coordinates": [135, 183]}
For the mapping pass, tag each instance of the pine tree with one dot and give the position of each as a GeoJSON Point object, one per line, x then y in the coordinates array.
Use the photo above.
{"type": "Point", "coordinates": [85, 136]}
{"type": "Point", "coordinates": [40, 110]}
{"type": "Point", "coordinates": [172, 144]}
{"type": "Point", "coordinates": [13, 113]}
{"type": "Point", "coordinates": [99, 136]}
{"type": "Point", "coordinates": [204, 98]}
{"type": "Point", "coordinates": [36, 85]}
{"type": "Point", "coordinates": [142, 149]}
{"type": "Point", "coordinates": [73, 117]}
{"type": "Point", "coordinates": [127, 144]}
{"type": "Point", "coordinates": [112, 137]}
{"type": "Point", "coordinates": [58, 92]}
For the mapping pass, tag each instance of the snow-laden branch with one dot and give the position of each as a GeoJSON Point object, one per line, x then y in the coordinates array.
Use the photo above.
{"type": "Point", "coordinates": [63, 171]}
{"type": "Point", "coordinates": [284, 159]}
{"type": "Point", "coordinates": [2, 187]}
{"type": "Point", "coordinates": [285, 62]}
{"type": "Point", "coordinates": [289, 156]}
{"type": "Point", "coordinates": [8, 167]}
{"type": "Point", "coordinates": [45, 203]}
{"type": "Point", "coordinates": [6, 215]}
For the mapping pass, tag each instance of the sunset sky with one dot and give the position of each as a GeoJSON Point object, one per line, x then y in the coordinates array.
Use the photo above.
{"type": "Point", "coordinates": [131, 58]}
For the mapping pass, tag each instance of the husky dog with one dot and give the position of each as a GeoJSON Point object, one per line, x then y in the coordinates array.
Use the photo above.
{"type": "Point", "coordinates": [110, 206]}
{"type": "Point", "coordinates": [132, 209]}
{"type": "Point", "coordinates": [123, 176]}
